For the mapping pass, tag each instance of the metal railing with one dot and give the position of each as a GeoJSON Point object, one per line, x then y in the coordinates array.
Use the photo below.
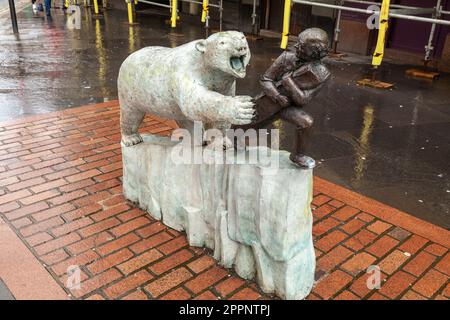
{"type": "Point", "coordinates": [395, 11]}
{"type": "Point", "coordinates": [173, 6]}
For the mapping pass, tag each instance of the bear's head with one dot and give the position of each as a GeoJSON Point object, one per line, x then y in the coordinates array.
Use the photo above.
{"type": "Point", "coordinates": [226, 51]}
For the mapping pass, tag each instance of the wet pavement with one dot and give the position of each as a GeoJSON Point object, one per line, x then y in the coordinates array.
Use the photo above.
{"type": "Point", "coordinates": [19, 5]}
{"type": "Point", "coordinates": [393, 146]}
{"type": "Point", "coordinates": [3, 4]}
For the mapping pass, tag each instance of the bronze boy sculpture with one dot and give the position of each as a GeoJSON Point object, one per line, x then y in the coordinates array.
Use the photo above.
{"type": "Point", "coordinates": [290, 83]}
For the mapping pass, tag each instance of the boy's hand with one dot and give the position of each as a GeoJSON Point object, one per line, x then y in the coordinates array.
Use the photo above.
{"type": "Point", "coordinates": [282, 100]}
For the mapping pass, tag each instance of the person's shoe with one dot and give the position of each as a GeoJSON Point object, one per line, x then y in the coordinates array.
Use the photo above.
{"type": "Point", "coordinates": [303, 161]}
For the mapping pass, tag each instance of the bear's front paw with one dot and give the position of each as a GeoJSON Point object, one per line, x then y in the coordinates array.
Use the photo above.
{"type": "Point", "coordinates": [244, 110]}
{"type": "Point", "coordinates": [131, 140]}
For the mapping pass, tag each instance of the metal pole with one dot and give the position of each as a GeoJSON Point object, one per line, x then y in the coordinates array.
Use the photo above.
{"type": "Point", "coordinates": [198, 2]}
{"type": "Point", "coordinates": [384, 19]}
{"type": "Point", "coordinates": [204, 10]}
{"type": "Point", "coordinates": [286, 21]}
{"type": "Point", "coordinates": [254, 13]}
{"type": "Point", "coordinates": [174, 13]}
{"type": "Point", "coordinates": [267, 16]}
{"type": "Point", "coordinates": [367, 11]}
{"type": "Point", "coordinates": [96, 6]}
{"type": "Point", "coordinates": [12, 10]}
{"type": "Point", "coordinates": [254, 16]}
{"type": "Point", "coordinates": [205, 16]}
{"type": "Point", "coordinates": [429, 47]}
{"type": "Point", "coordinates": [336, 28]}
{"type": "Point", "coordinates": [131, 11]}
{"type": "Point", "coordinates": [377, 3]}
{"type": "Point", "coordinates": [220, 15]}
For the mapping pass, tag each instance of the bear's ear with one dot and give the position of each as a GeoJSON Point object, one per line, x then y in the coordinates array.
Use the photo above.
{"type": "Point", "coordinates": [201, 46]}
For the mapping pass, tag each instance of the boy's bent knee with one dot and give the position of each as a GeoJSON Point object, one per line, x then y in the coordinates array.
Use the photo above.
{"type": "Point", "coordinates": [298, 117]}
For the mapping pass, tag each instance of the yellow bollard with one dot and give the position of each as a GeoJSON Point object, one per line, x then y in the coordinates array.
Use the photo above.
{"type": "Point", "coordinates": [205, 10]}
{"type": "Point", "coordinates": [131, 45]}
{"type": "Point", "coordinates": [174, 13]}
{"type": "Point", "coordinates": [286, 21]}
{"type": "Point", "coordinates": [96, 6]}
{"type": "Point", "coordinates": [379, 49]}
{"type": "Point", "coordinates": [66, 3]}
{"type": "Point", "coordinates": [130, 7]}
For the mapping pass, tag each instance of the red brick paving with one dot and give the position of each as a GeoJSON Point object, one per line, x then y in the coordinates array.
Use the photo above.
{"type": "Point", "coordinates": [60, 190]}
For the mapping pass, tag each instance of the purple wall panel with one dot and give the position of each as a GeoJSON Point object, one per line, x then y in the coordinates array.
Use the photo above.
{"type": "Point", "coordinates": [411, 36]}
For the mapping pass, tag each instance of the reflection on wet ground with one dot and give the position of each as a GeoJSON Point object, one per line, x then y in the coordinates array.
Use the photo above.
{"type": "Point", "coordinates": [392, 145]}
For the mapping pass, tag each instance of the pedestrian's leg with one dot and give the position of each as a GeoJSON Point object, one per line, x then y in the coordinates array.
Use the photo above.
{"type": "Point", "coordinates": [303, 121]}
{"type": "Point", "coordinates": [47, 7]}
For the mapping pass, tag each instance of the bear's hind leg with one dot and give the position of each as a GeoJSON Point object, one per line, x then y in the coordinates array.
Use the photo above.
{"type": "Point", "coordinates": [196, 133]}
{"type": "Point", "coordinates": [130, 120]}
{"type": "Point", "coordinates": [218, 141]}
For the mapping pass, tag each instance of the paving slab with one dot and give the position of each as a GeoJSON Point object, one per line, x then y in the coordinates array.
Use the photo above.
{"type": "Point", "coordinates": [5, 294]}
{"type": "Point", "coordinates": [23, 277]}
{"type": "Point", "coordinates": [389, 145]}
{"type": "Point", "coordinates": [79, 217]}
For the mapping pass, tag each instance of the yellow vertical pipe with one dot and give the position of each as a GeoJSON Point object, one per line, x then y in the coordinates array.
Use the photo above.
{"type": "Point", "coordinates": [205, 10]}
{"type": "Point", "coordinates": [379, 49]}
{"type": "Point", "coordinates": [174, 13]}
{"type": "Point", "coordinates": [286, 21]}
{"type": "Point", "coordinates": [66, 3]}
{"type": "Point", "coordinates": [131, 45]}
{"type": "Point", "coordinates": [130, 12]}
{"type": "Point", "coordinates": [96, 6]}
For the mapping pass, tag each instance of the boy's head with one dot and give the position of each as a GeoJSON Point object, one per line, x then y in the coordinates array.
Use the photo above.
{"type": "Point", "coordinates": [312, 44]}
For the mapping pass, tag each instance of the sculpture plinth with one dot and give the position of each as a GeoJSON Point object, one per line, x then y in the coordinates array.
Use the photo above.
{"type": "Point", "coordinates": [256, 218]}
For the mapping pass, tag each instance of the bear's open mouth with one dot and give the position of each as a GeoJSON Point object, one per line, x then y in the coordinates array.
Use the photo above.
{"type": "Point", "coordinates": [237, 62]}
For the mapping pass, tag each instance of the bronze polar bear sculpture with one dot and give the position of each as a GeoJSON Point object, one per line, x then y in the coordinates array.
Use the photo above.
{"type": "Point", "coordinates": [193, 82]}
